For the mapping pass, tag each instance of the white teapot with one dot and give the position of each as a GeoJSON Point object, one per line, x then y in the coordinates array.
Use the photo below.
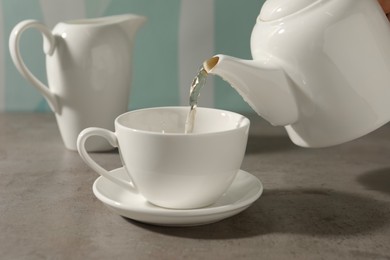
{"type": "Point", "coordinates": [321, 68]}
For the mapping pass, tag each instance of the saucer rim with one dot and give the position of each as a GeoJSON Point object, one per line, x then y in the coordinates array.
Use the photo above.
{"type": "Point", "coordinates": [152, 209]}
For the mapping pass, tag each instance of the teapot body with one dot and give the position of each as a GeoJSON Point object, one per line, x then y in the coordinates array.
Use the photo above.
{"type": "Point", "coordinates": [337, 55]}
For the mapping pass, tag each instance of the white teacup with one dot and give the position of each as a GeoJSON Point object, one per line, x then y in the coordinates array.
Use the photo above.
{"type": "Point", "coordinates": [168, 167]}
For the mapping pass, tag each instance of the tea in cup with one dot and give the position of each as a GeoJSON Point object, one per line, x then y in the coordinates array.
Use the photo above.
{"type": "Point", "coordinates": [171, 168]}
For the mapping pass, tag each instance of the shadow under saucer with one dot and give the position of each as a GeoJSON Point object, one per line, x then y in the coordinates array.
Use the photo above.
{"type": "Point", "coordinates": [314, 212]}
{"type": "Point", "coordinates": [378, 180]}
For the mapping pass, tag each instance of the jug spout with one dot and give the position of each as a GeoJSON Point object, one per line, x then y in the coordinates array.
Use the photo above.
{"type": "Point", "coordinates": [131, 23]}
{"type": "Point", "coordinates": [262, 84]}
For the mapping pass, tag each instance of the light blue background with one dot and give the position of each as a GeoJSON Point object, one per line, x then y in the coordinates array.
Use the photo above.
{"type": "Point", "coordinates": [156, 62]}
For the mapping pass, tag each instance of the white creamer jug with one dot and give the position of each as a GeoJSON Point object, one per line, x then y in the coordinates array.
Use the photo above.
{"type": "Point", "coordinates": [88, 64]}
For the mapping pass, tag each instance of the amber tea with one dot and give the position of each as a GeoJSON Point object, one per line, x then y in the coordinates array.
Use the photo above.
{"type": "Point", "coordinates": [197, 84]}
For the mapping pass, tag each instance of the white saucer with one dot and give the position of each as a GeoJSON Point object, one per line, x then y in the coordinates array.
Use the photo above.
{"type": "Point", "coordinates": [245, 189]}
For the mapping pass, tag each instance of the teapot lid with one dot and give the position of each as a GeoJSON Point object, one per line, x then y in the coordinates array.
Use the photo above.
{"type": "Point", "coordinates": [276, 9]}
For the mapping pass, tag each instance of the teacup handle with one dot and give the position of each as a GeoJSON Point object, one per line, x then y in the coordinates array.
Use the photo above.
{"type": "Point", "coordinates": [113, 140]}
{"type": "Point", "coordinates": [49, 44]}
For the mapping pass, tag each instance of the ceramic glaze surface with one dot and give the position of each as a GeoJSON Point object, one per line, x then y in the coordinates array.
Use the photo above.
{"type": "Point", "coordinates": [168, 167]}
{"type": "Point", "coordinates": [322, 71]}
{"type": "Point", "coordinates": [244, 190]}
{"type": "Point", "coordinates": [88, 64]}
{"type": "Point", "coordinates": [275, 9]}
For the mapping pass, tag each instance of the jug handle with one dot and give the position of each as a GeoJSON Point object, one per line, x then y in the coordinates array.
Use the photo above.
{"type": "Point", "coordinates": [49, 44]}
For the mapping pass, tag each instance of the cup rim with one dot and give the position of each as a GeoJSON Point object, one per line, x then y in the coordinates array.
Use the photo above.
{"type": "Point", "coordinates": [245, 122]}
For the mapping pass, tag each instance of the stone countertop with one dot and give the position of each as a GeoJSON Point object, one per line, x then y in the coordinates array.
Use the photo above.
{"type": "Point", "coordinates": [329, 203]}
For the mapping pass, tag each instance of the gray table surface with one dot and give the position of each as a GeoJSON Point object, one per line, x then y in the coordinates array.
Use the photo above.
{"type": "Point", "coordinates": [330, 203]}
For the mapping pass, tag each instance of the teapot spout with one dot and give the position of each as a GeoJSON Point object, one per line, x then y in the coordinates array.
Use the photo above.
{"type": "Point", "coordinates": [262, 84]}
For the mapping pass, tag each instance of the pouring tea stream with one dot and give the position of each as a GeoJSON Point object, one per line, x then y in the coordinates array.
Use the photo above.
{"type": "Point", "coordinates": [320, 68]}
